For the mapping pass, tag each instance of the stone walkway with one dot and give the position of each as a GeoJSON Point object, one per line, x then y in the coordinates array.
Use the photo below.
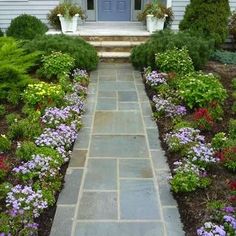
{"type": "Point", "coordinates": [116, 183]}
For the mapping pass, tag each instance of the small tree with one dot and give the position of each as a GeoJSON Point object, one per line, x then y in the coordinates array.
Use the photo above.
{"type": "Point", "coordinates": [207, 17]}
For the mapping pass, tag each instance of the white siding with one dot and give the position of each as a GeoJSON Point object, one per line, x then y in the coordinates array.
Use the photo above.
{"type": "Point", "coordinates": [13, 8]}
{"type": "Point", "coordinates": [179, 6]}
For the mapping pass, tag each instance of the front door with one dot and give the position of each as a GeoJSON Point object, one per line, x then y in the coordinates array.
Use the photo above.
{"type": "Point", "coordinates": [114, 10]}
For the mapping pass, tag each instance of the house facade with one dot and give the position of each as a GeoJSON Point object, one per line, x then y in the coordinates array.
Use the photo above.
{"type": "Point", "coordinates": [97, 10]}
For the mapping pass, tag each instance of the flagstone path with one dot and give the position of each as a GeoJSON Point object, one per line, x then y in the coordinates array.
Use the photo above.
{"type": "Point", "coordinates": [116, 183]}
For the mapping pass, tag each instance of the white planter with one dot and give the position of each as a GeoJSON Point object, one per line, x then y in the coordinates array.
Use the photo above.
{"type": "Point", "coordinates": [154, 24]}
{"type": "Point", "coordinates": [68, 24]}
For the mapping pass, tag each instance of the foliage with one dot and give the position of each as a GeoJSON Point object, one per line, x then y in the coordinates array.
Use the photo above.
{"type": "Point", "coordinates": [24, 128]}
{"type": "Point", "coordinates": [232, 128]}
{"type": "Point", "coordinates": [2, 110]}
{"type": "Point", "coordinates": [219, 140]}
{"type": "Point", "coordinates": [232, 25]}
{"type": "Point", "coordinates": [15, 64]}
{"type": "Point", "coordinates": [188, 177]}
{"type": "Point", "coordinates": [175, 60]}
{"type": "Point", "coordinates": [203, 119]}
{"type": "Point", "coordinates": [85, 55]}
{"type": "Point", "coordinates": [224, 57]}
{"type": "Point", "coordinates": [199, 49]}
{"type": "Point", "coordinates": [228, 157]}
{"type": "Point", "coordinates": [56, 64]}
{"type": "Point", "coordinates": [199, 90]}
{"type": "Point", "coordinates": [1, 33]}
{"type": "Point", "coordinates": [25, 150]}
{"type": "Point", "coordinates": [4, 189]}
{"type": "Point", "coordinates": [158, 10]}
{"type": "Point", "coordinates": [4, 167]}
{"type": "Point", "coordinates": [65, 9]}
{"type": "Point", "coordinates": [207, 17]}
{"type": "Point", "coordinates": [42, 94]}
{"type": "Point", "coordinates": [5, 143]}
{"type": "Point", "coordinates": [26, 27]}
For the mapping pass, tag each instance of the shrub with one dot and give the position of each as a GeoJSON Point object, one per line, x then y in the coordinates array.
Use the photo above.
{"type": "Point", "coordinates": [208, 18]}
{"type": "Point", "coordinates": [64, 8]}
{"type": "Point", "coordinates": [25, 150]}
{"type": "Point", "coordinates": [224, 57]}
{"type": "Point", "coordinates": [232, 128]}
{"type": "Point", "coordinates": [199, 90]}
{"type": "Point", "coordinates": [12, 118]}
{"type": "Point", "coordinates": [232, 25]}
{"type": "Point", "coordinates": [56, 64]}
{"type": "Point", "coordinates": [5, 143]}
{"type": "Point", "coordinates": [14, 66]}
{"type": "Point", "coordinates": [1, 33]}
{"type": "Point", "coordinates": [2, 110]}
{"type": "Point", "coordinates": [26, 27]}
{"type": "Point", "coordinates": [199, 49]}
{"type": "Point", "coordinates": [84, 54]}
{"type": "Point", "coordinates": [175, 60]}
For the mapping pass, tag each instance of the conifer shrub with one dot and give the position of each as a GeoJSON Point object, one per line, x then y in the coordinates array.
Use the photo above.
{"type": "Point", "coordinates": [208, 18]}
{"type": "Point", "coordinates": [199, 49]}
{"type": "Point", "coordinates": [85, 55]}
{"type": "Point", "coordinates": [15, 63]}
{"type": "Point", "coordinates": [26, 27]}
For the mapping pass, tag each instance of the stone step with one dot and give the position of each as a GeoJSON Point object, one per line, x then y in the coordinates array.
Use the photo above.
{"type": "Point", "coordinates": [114, 46]}
{"type": "Point", "coordinates": [115, 38]}
{"type": "Point", "coordinates": [116, 57]}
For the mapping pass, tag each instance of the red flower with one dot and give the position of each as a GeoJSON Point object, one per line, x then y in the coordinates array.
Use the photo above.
{"type": "Point", "coordinates": [3, 164]}
{"type": "Point", "coordinates": [203, 113]}
{"type": "Point", "coordinates": [233, 186]}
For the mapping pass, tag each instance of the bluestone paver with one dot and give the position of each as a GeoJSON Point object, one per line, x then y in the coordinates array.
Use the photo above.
{"type": "Point", "coordinates": [117, 180]}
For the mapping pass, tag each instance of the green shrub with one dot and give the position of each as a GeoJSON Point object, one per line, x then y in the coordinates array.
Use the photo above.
{"type": "Point", "coordinates": [232, 25]}
{"type": "Point", "coordinates": [15, 64]}
{"type": "Point", "coordinates": [2, 110]}
{"type": "Point", "coordinates": [26, 27]}
{"type": "Point", "coordinates": [26, 150]}
{"type": "Point", "coordinates": [199, 49]}
{"type": "Point", "coordinates": [208, 18]}
{"type": "Point", "coordinates": [1, 33]}
{"type": "Point", "coordinates": [56, 64]}
{"type": "Point", "coordinates": [84, 54]}
{"type": "Point", "coordinates": [24, 128]}
{"type": "Point", "coordinates": [219, 140]}
{"type": "Point", "coordinates": [232, 129]}
{"type": "Point", "coordinates": [5, 143]}
{"type": "Point", "coordinates": [12, 118]}
{"type": "Point", "coordinates": [199, 90]}
{"type": "Point", "coordinates": [175, 60]}
{"type": "Point", "coordinates": [224, 57]}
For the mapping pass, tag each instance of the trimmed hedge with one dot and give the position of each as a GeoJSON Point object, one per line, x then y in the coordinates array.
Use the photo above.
{"type": "Point", "coordinates": [26, 27]}
{"type": "Point", "coordinates": [85, 55]}
{"type": "Point", "coordinates": [199, 49]}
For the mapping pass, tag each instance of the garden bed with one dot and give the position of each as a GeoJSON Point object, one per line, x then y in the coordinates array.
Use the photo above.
{"type": "Point", "coordinates": [200, 205]}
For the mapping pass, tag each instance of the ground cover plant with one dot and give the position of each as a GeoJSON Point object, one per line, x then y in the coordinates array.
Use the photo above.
{"type": "Point", "coordinates": [36, 135]}
{"type": "Point", "coordinates": [195, 115]}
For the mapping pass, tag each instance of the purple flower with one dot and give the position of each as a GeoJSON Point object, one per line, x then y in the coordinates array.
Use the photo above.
{"type": "Point", "coordinates": [154, 78]}
{"type": "Point", "coordinates": [79, 73]}
{"type": "Point", "coordinates": [230, 220]}
{"type": "Point", "coordinates": [211, 229]}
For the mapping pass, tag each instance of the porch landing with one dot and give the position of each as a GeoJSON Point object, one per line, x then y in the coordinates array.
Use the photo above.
{"type": "Point", "coordinates": [108, 29]}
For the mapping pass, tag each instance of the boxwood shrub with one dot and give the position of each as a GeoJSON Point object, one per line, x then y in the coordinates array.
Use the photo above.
{"type": "Point", "coordinates": [199, 49]}
{"type": "Point", "coordinates": [85, 55]}
{"type": "Point", "coordinates": [26, 27]}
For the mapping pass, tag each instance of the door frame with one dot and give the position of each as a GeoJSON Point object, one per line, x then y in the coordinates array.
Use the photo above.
{"type": "Point", "coordinates": [96, 10]}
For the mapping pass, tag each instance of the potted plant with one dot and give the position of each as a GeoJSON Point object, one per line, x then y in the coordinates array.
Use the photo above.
{"type": "Point", "coordinates": [65, 16]}
{"type": "Point", "coordinates": [156, 15]}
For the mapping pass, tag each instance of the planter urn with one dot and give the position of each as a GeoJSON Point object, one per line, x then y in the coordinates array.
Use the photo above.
{"type": "Point", "coordinates": [154, 24]}
{"type": "Point", "coordinates": [68, 24]}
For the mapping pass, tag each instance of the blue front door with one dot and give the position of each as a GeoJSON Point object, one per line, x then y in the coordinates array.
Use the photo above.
{"type": "Point", "coordinates": [114, 10]}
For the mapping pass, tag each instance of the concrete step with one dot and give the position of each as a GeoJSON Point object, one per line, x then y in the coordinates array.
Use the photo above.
{"type": "Point", "coordinates": [115, 38]}
{"type": "Point", "coordinates": [114, 46]}
{"type": "Point", "coordinates": [117, 57]}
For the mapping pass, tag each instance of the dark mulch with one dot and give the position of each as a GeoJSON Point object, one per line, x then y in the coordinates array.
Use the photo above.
{"type": "Point", "coordinates": [193, 206]}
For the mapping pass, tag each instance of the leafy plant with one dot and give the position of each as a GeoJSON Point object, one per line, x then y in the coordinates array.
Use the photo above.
{"type": "Point", "coordinates": [12, 118]}
{"type": "Point", "coordinates": [4, 167]}
{"type": "Point", "coordinates": [232, 128]}
{"type": "Point", "coordinates": [25, 150]}
{"type": "Point", "coordinates": [203, 119]}
{"type": "Point", "coordinates": [208, 18]}
{"type": "Point", "coordinates": [1, 33]}
{"type": "Point", "coordinates": [218, 142]}
{"type": "Point", "coordinates": [228, 157]}
{"type": "Point", "coordinates": [175, 60]}
{"type": "Point", "coordinates": [15, 63]}
{"type": "Point", "coordinates": [85, 55]}
{"type": "Point", "coordinates": [56, 64]}
{"type": "Point", "coordinates": [199, 90]}
{"type": "Point", "coordinates": [224, 57]}
{"type": "Point", "coordinates": [65, 9]}
{"type": "Point", "coordinates": [42, 94]}
{"type": "Point", "coordinates": [5, 143]}
{"type": "Point", "coordinates": [199, 49]}
{"type": "Point", "coordinates": [232, 25]}
{"type": "Point", "coordinates": [2, 110]}
{"type": "Point", "coordinates": [26, 27]}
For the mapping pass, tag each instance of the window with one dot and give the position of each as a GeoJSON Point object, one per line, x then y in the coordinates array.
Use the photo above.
{"type": "Point", "coordinates": [90, 4]}
{"type": "Point", "coordinates": [137, 5]}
